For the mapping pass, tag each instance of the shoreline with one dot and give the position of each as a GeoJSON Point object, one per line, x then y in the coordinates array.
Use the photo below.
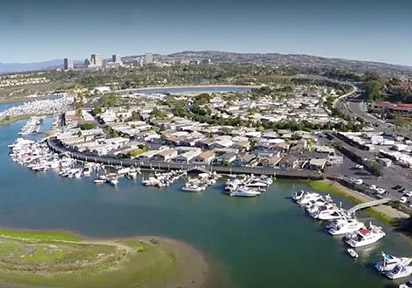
{"type": "Point", "coordinates": [171, 262]}
{"type": "Point", "coordinates": [384, 213]}
{"type": "Point", "coordinates": [14, 119]}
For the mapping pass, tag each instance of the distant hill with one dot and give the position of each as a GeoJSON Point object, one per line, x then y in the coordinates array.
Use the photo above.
{"type": "Point", "coordinates": [25, 67]}
{"type": "Point", "coordinates": [292, 60]}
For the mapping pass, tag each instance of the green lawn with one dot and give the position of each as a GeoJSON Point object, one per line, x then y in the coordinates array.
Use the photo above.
{"type": "Point", "coordinates": [329, 187]}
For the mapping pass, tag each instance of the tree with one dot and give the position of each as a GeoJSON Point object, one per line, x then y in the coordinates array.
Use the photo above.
{"type": "Point", "coordinates": [373, 91]}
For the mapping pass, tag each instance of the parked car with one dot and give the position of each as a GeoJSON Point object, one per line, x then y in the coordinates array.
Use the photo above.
{"type": "Point", "coordinates": [409, 193]}
{"type": "Point", "coordinates": [403, 200]}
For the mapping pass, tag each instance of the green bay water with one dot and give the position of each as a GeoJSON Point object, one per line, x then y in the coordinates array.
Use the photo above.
{"type": "Point", "coordinates": [266, 241]}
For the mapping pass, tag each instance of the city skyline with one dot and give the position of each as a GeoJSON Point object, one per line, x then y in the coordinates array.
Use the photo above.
{"type": "Point", "coordinates": [369, 31]}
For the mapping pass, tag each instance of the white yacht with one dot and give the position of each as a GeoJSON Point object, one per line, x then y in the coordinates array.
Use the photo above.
{"type": "Point", "coordinates": [329, 214]}
{"type": "Point", "coordinates": [364, 236]}
{"type": "Point", "coordinates": [192, 188]}
{"type": "Point", "coordinates": [389, 262]}
{"type": "Point", "coordinates": [308, 197]}
{"type": "Point", "coordinates": [407, 284]}
{"type": "Point", "coordinates": [344, 226]}
{"type": "Point", "coordinates": [400, 271]}
{"type": "Point", "coordinates": [244, 192]}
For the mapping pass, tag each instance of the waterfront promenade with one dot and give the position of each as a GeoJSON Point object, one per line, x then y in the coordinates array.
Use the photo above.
{"type": "Point", "coordinates": [302, 174]}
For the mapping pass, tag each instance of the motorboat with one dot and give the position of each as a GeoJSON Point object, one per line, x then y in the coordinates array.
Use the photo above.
{"type": "Point", "coordinates": [352, 253]}
{"type": "Point", "coordinates": [114, 181]}
{"type": "Point", "coordinates": [400, 271]}
{"type": "Point", "coordinates": [244, 192]}
{"type": "Point", "coordinates": [329, 215]}
{"type": "Point", "coordinates": [298, 195]}
{"type": "Point", "coordinates": [192, 188]}
{"type": "Point", "coordinates": [308, 197]}
{"type": "Point", "coordinates": [364, 236]}
{"type": "Point", "coordinates": [344, 226]}
{"type": "Point", "coordinates": [99, 181]}
{"type": "Point", "coordinates": [389, 262]}
{"type": "Point", "coordinates": [407, 284]}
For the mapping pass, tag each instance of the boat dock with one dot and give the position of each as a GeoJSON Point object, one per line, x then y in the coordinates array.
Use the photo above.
{"type": "Point", "coordinates": [160, 165]}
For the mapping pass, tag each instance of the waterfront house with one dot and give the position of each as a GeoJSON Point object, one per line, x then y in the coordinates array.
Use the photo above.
{"type": "Point", "coordinates": [205, 157]}
{"type": "Point", "coordinates": [186, 157]}
{"type": "Point", "coordinates": [147, 155]}
{"type": "Point", "coordinates": [166, 155]}
{"type": "Point", "coordinates": [247, 160]}
{"type": "Point", "coordinates": [289, 162]}
{"type": "Point", "coordinates": [317, 164]}
{"type": "Point", "coordinates": [224, 159]}
{"type": "Point", "coordinates": [271, 161]}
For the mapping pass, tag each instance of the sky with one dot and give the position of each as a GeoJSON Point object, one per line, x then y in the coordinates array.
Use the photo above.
{"type": "Point", "coordinates": [38, 30]}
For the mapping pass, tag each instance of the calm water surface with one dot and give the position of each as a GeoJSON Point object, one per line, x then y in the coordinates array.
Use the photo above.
{"type": "Point", "coordinates": [262, 242]}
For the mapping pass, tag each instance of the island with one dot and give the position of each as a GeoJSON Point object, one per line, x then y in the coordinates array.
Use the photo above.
{"type": "Point", "coordinates": [61, 259]}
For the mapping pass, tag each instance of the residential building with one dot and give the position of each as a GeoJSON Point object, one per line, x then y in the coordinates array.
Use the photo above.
{"type": "Point", "coordinates": [205, 157]}
{"type": "Point", "coordinates": [186, 157]}
{"type": "Point", "coordinates": [289, 162]}
{"type": "Point", "coordinates": [166, 155]}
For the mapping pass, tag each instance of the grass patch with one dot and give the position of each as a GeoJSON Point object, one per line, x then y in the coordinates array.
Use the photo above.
{"type": "Point", "coordinates": [331, 188]}
{"type": "Point", "coordinates": [38, 235]}
{"type": "Point", "coordinates": [57, 259]}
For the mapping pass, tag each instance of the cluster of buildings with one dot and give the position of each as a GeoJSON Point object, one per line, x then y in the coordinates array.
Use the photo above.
{"type": "Point", "coordinates": [19, 80]}
{"type": "Point", "coordinates": [95, 61]}
{"type": "Point", "coordinates": [181, 140]}
{"type": "Point", "coordinates": [393, 107]}
{"type": "Point", "coordinates": [389, 148]}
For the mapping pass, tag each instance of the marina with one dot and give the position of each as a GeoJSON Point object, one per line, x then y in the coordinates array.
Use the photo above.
{"type": "Point", "coordinates": [131, 208]}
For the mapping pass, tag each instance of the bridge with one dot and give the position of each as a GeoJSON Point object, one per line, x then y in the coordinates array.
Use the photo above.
{"type": "Point", "coordinates": [368, 204]}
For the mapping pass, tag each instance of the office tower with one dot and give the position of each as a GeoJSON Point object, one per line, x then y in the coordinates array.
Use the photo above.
{"type": "Point", "coordinates": [116, 58]}
{"type": "Point", "coordinates": [96, 60]}
{"type": "Point", "coordinates": [68, 64]}
{"type": "Point", "coordinates": [148, 58]}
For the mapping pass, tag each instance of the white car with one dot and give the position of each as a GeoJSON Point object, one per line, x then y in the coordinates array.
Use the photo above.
{"type": "Point", "coordinates": [403, 200]}
{"type": "Point", "coordinates": [381, 191]}
{"type": "Point", "coordinates": [359, 181]}
{"type": "Point", "coordinates": [373, 187]}
{"type": "Point", "coordinates": [358, 166]}
{"type": "Point", "coordinates": [409, 193]}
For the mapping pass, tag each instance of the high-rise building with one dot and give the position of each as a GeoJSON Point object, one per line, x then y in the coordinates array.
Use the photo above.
{"type": "Point", "coordinates": [68, 64]}
{"type": "Point", "coordinates": [116, 58]}
{"type": "Point", "coordinates": [148, 58]}
{"type": "Point", "coordinates": [96, 60]}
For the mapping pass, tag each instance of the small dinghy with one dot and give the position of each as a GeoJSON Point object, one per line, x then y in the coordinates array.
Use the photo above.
{"type": "Point", "coordinates": [352, 253]}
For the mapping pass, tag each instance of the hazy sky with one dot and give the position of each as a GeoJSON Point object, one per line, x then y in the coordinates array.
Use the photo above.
{"type": "Point", "coordinates": [34, 30]}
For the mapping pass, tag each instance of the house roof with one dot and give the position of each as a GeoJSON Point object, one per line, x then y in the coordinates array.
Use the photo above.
{"type": "Point", "coordinates": [273, 159]}
{"type": "Point", "coordinates": [289, 159]}
{"type": "Point", "coordinates": [166, 152]}
{"type": "Point", "coordinates": [206, 154]}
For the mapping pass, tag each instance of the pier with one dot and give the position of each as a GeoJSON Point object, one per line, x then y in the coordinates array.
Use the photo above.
{"type": "Point", "coordinates": [160, 165]}
{"type": "Point", "coordinates": [369, 204]}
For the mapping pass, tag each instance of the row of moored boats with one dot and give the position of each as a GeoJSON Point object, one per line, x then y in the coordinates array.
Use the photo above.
{"type": "Point", "coordinates": [355, 233]}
